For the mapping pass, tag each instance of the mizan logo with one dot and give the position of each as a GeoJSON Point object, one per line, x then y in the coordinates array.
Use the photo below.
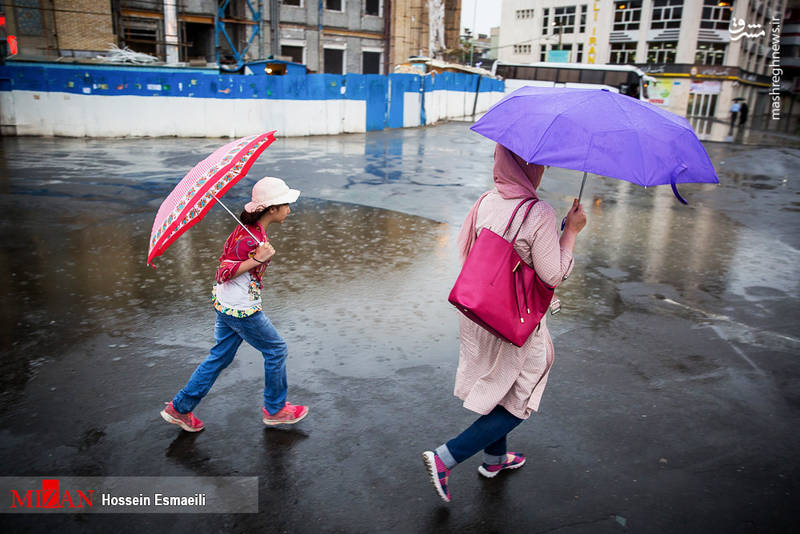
{"type": "Point", "coordinates": [50, 496]}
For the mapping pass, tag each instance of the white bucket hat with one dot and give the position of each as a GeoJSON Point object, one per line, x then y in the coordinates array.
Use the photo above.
{"type": "Point", "coordinates": [270, 191]}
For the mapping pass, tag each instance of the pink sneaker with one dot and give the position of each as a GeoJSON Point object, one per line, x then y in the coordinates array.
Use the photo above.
{"type": "Point", "coordinates": [438, 474]}
{"type": "Point", "coordinates": [514, 460]}
{"type": "Point", "coordinates": [288, 415]}
{"type": "Point", "coordinates": [186, 421]}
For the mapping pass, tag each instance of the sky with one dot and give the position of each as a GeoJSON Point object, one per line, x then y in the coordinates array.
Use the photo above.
{"type": "Point", "coordinates": [486, 16]}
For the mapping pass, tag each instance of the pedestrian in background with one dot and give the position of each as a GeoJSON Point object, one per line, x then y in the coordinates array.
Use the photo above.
{"type": "Point", "coordinates": [734, 113]}
{"type": "Point", "coordinates": [501, 382]}
{"type": "Point", "coordinates": [743, 109]}
{"type": "Point", "coordinates": [237, 301]}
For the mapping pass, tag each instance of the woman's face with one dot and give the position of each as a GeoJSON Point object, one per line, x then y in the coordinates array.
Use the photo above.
{"type": "Point", "coordinates": [533, 172]}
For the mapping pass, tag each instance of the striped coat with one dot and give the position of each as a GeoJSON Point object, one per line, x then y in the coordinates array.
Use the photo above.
{"type": "Point", "coordinates": [492, 371]}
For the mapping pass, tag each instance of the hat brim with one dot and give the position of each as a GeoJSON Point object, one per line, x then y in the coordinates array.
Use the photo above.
{"type": "Point", "coordinates": [287, 198]}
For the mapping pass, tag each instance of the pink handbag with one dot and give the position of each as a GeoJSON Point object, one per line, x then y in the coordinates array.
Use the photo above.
{"type": "Point", "coordinates": [499, 291]}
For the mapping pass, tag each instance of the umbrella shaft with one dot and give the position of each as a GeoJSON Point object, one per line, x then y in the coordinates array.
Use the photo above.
{"type": "Point", "coordinates": [236, 219]}
{"type": "Point", "coordinates": [580, 194]}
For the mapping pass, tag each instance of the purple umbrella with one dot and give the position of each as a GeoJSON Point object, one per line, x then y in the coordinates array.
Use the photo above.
{"type": "Point", "coordinates": [601, 132]}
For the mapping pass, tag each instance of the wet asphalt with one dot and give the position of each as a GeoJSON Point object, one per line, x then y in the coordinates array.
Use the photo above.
{"type": "Point", "coordinates": [672, 406]}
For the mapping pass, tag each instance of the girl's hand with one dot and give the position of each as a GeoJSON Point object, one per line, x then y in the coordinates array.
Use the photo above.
{"type": "Point", "coordinates": [576, 218]}
{"type": "Point", "coordinates": [264, 252]}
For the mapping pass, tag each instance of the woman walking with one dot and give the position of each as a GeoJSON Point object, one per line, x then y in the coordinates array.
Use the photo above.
{"type": "Point", "coordinates": [237, 301]}
{"type": "Point", "coordinates": [501, 382]}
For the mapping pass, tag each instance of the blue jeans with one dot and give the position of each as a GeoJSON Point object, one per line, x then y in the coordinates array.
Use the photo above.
{"type": "Point", "coordinates": [487, 433]}
{"type": "Point", "coordinates": [229, 332]}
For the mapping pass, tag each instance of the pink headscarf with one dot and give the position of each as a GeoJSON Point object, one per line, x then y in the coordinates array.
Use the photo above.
{"type": "Point", "coordinates": [513, 178]}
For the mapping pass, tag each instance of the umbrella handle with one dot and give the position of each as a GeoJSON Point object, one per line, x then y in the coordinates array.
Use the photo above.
{"type": "Point", "coordinates": [237, 220]}
{"type": "Point", "coordinates": [580, 194]}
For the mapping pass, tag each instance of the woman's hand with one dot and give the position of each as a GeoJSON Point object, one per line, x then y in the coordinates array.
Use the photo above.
{"type": "Point", "coordinates": [576, 218]}
{"type": "Point", "coordinates": [264, 252]}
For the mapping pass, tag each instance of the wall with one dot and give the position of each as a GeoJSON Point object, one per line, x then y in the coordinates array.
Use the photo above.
{"type": "Point", "coordinates": [351, 30]}
{"type": "Point", "coordinates": [95, 101]}
{"type": "Point", "coordinates": [77, 30]}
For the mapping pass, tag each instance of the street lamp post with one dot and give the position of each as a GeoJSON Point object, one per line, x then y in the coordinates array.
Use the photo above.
{"type": "Point", "coordinates": [471, 49]}
{"type": "Point", "coordinates": [557, 26]}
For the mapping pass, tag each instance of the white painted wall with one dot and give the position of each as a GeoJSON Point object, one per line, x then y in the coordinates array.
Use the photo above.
{"type": "Point", "coordinates": [8, 116]}
{"type": "Point", "coordinates": [411, 110]}
{"type": "Point", "coordinates": [78, 115]}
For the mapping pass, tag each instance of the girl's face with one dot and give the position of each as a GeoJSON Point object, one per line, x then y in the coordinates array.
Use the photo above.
{"type": "Point", "coordinates": [275, 214]}
{"type": "Point", "coordinates": [283, 211]}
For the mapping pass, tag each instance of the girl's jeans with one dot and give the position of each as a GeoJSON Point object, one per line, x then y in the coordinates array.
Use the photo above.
{"type": "Point", "coordinates": [229, 332]}
{"type": "Point", "coordinates": [487, 433]}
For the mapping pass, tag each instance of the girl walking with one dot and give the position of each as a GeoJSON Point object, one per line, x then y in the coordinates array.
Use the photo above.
{"type": "Point", "coordinates": [501, 382]}
{"type": "Point", "coordinates": [237, 301]}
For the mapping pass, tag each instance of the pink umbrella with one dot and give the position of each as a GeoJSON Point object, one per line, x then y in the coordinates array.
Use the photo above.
{"type": "Point", "coordinates": [201, 187]}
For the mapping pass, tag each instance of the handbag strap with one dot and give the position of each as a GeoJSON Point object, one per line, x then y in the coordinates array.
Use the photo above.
{"type": "Point", "coordinates": [527, 211]}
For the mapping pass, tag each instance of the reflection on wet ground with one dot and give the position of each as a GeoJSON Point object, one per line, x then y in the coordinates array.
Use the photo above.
{"type": "Point", "coordinates": [678, 330]}
{"type": "Point", "coordinates": [83, 275]}
{"type": "Point", "coordinates": [756, 132]}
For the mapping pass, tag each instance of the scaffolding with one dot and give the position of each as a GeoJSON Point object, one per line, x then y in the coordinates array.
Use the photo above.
{"type": "Point", "coordinates": [221, 20]}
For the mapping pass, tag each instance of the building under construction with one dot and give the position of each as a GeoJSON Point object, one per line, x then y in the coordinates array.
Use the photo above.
{"type": "Point", "coordinates": [332, 36]}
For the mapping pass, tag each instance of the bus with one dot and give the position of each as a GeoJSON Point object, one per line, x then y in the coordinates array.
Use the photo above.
{"type": "Point", "coordinates": [625, 79]}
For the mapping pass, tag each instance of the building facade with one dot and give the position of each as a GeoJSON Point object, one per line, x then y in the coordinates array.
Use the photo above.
{"type": "Point", "coordinates": [331, 36]}
{"type": "Point", "coordinates": [705, 54]}
{"type": "Point", "coordinates": [59, 28]}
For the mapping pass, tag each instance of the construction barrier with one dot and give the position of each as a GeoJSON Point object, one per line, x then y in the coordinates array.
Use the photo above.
{"type": "Point", "coordinates": [121, 101]}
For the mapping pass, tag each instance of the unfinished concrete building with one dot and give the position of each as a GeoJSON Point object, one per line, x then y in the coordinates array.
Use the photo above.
{"type": "Point", "coordinates": [423, 28]}
{"type": "Point", "coordinates": [333, 36]}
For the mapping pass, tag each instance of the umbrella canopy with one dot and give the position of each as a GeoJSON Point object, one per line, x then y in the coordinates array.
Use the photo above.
{"type": "Point", "coordinates": [598, 131]}
{"type": "Point", "coordinates": [194, 195]}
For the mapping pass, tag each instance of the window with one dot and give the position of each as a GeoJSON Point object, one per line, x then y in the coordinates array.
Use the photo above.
{"type": "Point", "coordinates": [372, 7]}
{"type": "Point", "coordinates": [583, 18]}
{"type": "Point", "coordinates": [294, 52]}
{"type": "Point", "coordinates": [661, 51]}
{"type": "Point", "coordinates": [578, 53]}
{"type": "Point", "coordinates": [701, 105]}
{"type": "Point", "coordinates": [569, 75]}
{"type": "Point", "coordinates": [544, 53]}
{"type": "Point", "coordinates": [525, 73]}
{"type": "Point", "coordinates": [622, 53]}
{"type": "Point", "coordinates": [666, 14]}
{"type": "Point", "coordinates": [296, 3]}
{"type": "Point", "coordinates": [200, 42]}
{"type": "Point", "coordinates": [545, 21]}
{"type": "Point", "coordinates": [370, 62]}
{"type": "Point", "coordinates": [615, 78]}
{"type": "Point", "coordinates": [141, 34]}
{"type": "Point", "coordinates": [333, 61]}
{"type": "Point", "coordinates": [524, 13]}
{"type": "Point", "coordinates": [716, 15]}
{"type": "Point", "coordinates": [29, 17]}
{"type": "Point", "coordinates": [334, 5]}
{"type": "Point", "coordinates": [592, 76]}
{"type": "Point", "coordinates": [546, 74]}
{"type": "Point", "coordinates": [627, 16]}
{"type": "Point", "coordinates": [564, 19]}
{"type": "Point", "coordinates": [710, 53]}
{"type": "Point", "coordinates": [522, 49]}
